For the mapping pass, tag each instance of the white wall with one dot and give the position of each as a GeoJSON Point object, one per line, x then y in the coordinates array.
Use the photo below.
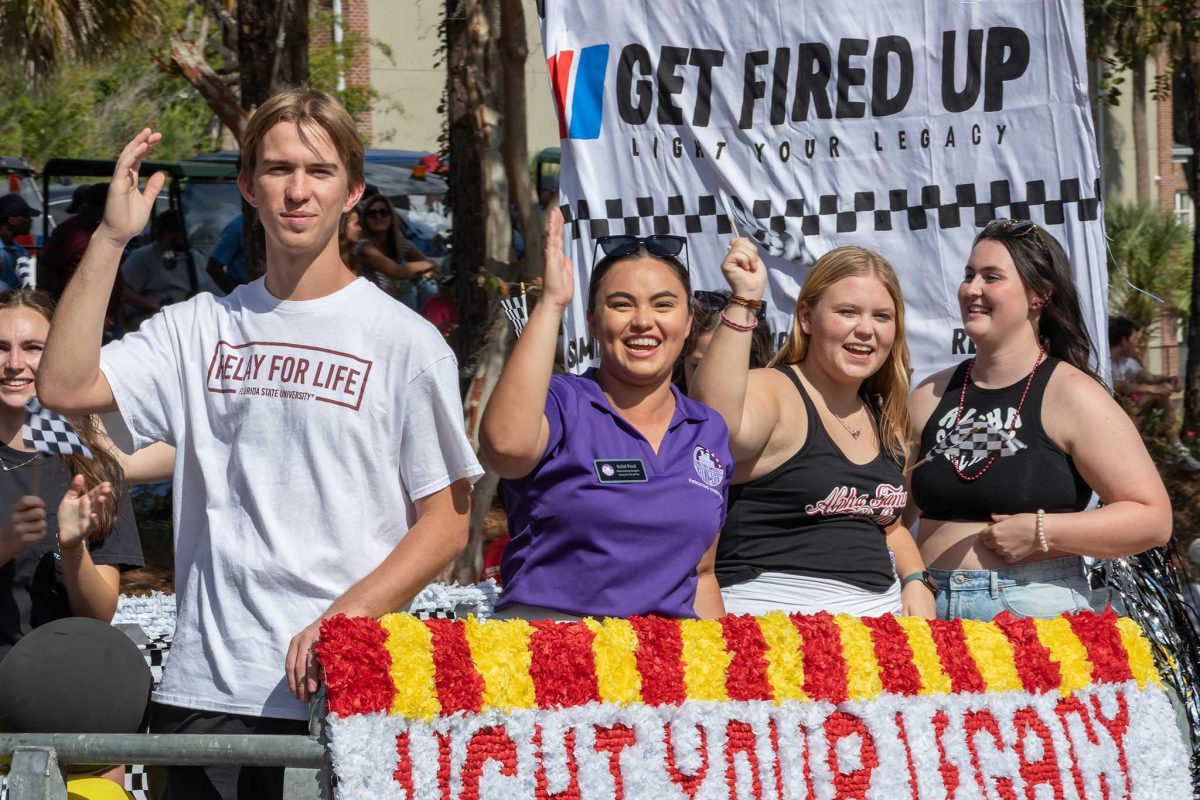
{"type": "Point", "coordinates": [410, 79]}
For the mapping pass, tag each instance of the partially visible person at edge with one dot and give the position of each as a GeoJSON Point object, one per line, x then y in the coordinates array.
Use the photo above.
{"type": "Point", "coordinates": [16, 219]}
{"type": "Point", "coordinates": [68, 242]}
{"type": "Point", "coordinates": [706, 317]}
{"type": "Point", "coordinates": [1004, 530]}
{"type": "Point", "coordinates": [820, 442]}
{"type": "Point", "coordinates": [389, 260]}
{"type": "Point", "coordinates": [1142, 389]}
{"type": "Point", "coordinates": [614, 482]}
{"type": "Point", "coordinates": [227, 261]}
{"type": "Point", "coordinates": [64, 561]}
{"type": "Point", "coordinates": [304, 489]}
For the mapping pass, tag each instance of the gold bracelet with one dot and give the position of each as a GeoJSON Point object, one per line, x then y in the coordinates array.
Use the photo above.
{"type": "Point", "coordinates": [1040, 531]}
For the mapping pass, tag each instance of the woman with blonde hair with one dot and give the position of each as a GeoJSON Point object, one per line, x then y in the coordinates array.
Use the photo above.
{"type": "Point", "coordinates": [819, 439]}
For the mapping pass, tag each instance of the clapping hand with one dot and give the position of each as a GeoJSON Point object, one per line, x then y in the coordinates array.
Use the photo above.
{"type": "Point", "coordinates": [77, 517]}
{"type": "Point", "coordinates": [26, 524]}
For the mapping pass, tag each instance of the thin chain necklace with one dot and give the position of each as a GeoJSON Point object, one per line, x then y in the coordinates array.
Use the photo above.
{"type": "Point", "coordinates": [849, 430]}
{"type": "Point", "coordinates": [9, 468]}
{"type": "Point", "coordinates": [962, 396]}
{"type": "Point", "coordinates": [832, 413]}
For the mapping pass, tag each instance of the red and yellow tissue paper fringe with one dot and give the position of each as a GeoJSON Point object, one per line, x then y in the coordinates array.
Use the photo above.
{"type": "Point", "coordinates": [425, 669]}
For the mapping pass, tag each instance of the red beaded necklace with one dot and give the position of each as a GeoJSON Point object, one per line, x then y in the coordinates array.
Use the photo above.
{"type": "Point", "coordinates": [962, 397]}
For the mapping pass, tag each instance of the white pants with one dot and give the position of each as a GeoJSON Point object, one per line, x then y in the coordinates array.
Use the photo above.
{"type": "Point", "coordinates": [804, 594]}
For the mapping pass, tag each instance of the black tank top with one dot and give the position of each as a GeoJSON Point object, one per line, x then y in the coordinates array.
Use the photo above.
{"type": "Point", "coordinates": [817, 514]}
{"type": "Point", "coordinates": [1038, 475]}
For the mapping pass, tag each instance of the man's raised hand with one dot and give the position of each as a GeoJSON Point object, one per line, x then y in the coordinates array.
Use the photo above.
{"type": "Point", "coordinates": [127, 209]}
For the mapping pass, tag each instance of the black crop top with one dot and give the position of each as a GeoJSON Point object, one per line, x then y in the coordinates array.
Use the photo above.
{"type": "Point", "coordinates": [1039, 475]}
{"type": "Point", "coordinates": [817, 514]}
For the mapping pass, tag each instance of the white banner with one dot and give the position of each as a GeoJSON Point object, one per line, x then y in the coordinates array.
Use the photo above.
{"type": "Point", "coordinates": [901, 126]}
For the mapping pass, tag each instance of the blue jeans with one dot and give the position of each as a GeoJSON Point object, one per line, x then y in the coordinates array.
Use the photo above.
{"type": "Point", "coordinates": [1041, 589]}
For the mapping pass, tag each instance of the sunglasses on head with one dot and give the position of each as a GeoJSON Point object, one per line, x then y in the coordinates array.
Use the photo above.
{"type": "Point", "coordinates": [716, 302]}
{"type": "Point", "coordinates": [660, 245]}
{"type": "Point", "coordinates": [1010, 227]}
{"type": "Point", "coordinates": [377, 213]}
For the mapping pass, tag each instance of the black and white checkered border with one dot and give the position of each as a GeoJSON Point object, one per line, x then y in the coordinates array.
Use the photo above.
{"type": "Point", "coordinates": [136, 783]}
{"type": "Point", "coordinates": [867, 210]}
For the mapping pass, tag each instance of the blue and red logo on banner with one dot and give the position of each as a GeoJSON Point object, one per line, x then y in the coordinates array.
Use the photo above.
{"type": "Point", "coordinates": [585, 90]}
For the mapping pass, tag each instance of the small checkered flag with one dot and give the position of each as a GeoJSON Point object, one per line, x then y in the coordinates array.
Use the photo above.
{"type": "Point", "coordinates": [50, 433]}
{"type": "Point", "coordinates": [517, 311]}
{"type": "Point", "coordinates": [27, 272]}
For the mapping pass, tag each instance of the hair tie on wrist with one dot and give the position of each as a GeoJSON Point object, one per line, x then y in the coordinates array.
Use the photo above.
{"type": "Point", "coordinates": [737, 326]}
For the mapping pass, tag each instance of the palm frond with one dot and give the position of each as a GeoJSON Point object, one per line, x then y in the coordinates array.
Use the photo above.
{"type": "Point", "coordinates": [42, 34]}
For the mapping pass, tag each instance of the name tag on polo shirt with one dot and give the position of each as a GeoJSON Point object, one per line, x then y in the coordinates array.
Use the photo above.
{"type": "Point", "coordinates": [620, 470]}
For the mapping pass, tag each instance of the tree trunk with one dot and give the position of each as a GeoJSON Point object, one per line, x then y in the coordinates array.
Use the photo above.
{"type": "Point", "coordinates": [272, 55]}
{"type": "Point", "coordinates": [482, 237]}
{"type": "Point", "coordinates": [1188, 84]}
{"type": "Point", "coordinates": [1141, 137]}
{"type": "Point", "coordinates": [514, 50]}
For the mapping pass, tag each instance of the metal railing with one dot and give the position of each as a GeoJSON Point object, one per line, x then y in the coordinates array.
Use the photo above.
{"type": "Point", "coordinates": [38, 761]}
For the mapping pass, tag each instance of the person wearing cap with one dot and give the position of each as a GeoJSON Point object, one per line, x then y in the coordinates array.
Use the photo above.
{"type": "Point", "coordinates": [67, 243]}
{"type": "Point", "coordinates": [16, 219]}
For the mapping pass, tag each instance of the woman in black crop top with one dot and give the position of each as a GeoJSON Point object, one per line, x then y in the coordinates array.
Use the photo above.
{"type": "Point", "coordinates": [1003, 529]}
{"type": "Point", "coordinates": [818, 441]}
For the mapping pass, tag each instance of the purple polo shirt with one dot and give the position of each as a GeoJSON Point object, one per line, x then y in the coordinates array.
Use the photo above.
{"type": "Point", "coordinates": [603, 526]}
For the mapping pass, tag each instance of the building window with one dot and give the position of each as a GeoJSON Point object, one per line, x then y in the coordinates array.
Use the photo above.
{"type": "Point", "coordinates": [1184, 210]}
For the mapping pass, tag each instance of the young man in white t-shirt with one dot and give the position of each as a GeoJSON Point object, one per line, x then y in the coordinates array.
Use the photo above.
{"type": "Point", "coordinates": [321, 463]}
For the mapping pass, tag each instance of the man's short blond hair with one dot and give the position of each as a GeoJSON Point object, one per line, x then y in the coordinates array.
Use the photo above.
{"type": "Point", "coordinates": [306, 108]}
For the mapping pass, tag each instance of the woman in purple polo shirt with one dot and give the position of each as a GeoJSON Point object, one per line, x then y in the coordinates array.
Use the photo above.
{"type": "Point", "coordinates": [615, 483]}
{"type": "Point", "coordinates": [822, 434]}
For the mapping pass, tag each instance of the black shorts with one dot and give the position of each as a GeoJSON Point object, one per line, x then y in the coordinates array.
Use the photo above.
{"type": "Point", "coordinates": [224, 782]}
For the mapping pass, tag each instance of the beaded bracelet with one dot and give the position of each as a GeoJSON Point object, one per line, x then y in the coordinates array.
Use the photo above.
{"type": "Point", "coordinates": [1040, 531]}
{"type": "Point", "coordinates": [737, 326]}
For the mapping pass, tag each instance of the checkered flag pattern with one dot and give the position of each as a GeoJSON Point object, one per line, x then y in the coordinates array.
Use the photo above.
{"type": "Point", "coordinates": [517, 311]}
{"type": "Point", "coordinates": [50, 433]}
{"type": "Point", "coordinates": [27, 272]}
{"type": "Point", "coordinates": [977, 439]}
{"type": "Point", "coordinates": [136, 782]}
{"type": "Point", "coordinates": [964, 429]}
{"type": "Point", "coordinates": [871, 210]}
{"type": "Point", "coordinates": [435, 613]}
{"type": "Point", "coordinates": [156, 651]}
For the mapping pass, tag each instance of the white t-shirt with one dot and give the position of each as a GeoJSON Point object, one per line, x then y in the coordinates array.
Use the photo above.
{"type": "Point", "coordinates": [304, 431]}
{"type": "Point", "coordinates": [1126, 369]}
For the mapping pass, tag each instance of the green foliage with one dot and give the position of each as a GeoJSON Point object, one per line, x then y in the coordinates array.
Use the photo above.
{"type": "Point", "coordinates": [324, 62]}
{"type": "Point", "coordinates": [1122, 34]}
{"type": "Point", "coordinates": [1151, 251]}
{"type": "Point", "coordinates": [90, 109]}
